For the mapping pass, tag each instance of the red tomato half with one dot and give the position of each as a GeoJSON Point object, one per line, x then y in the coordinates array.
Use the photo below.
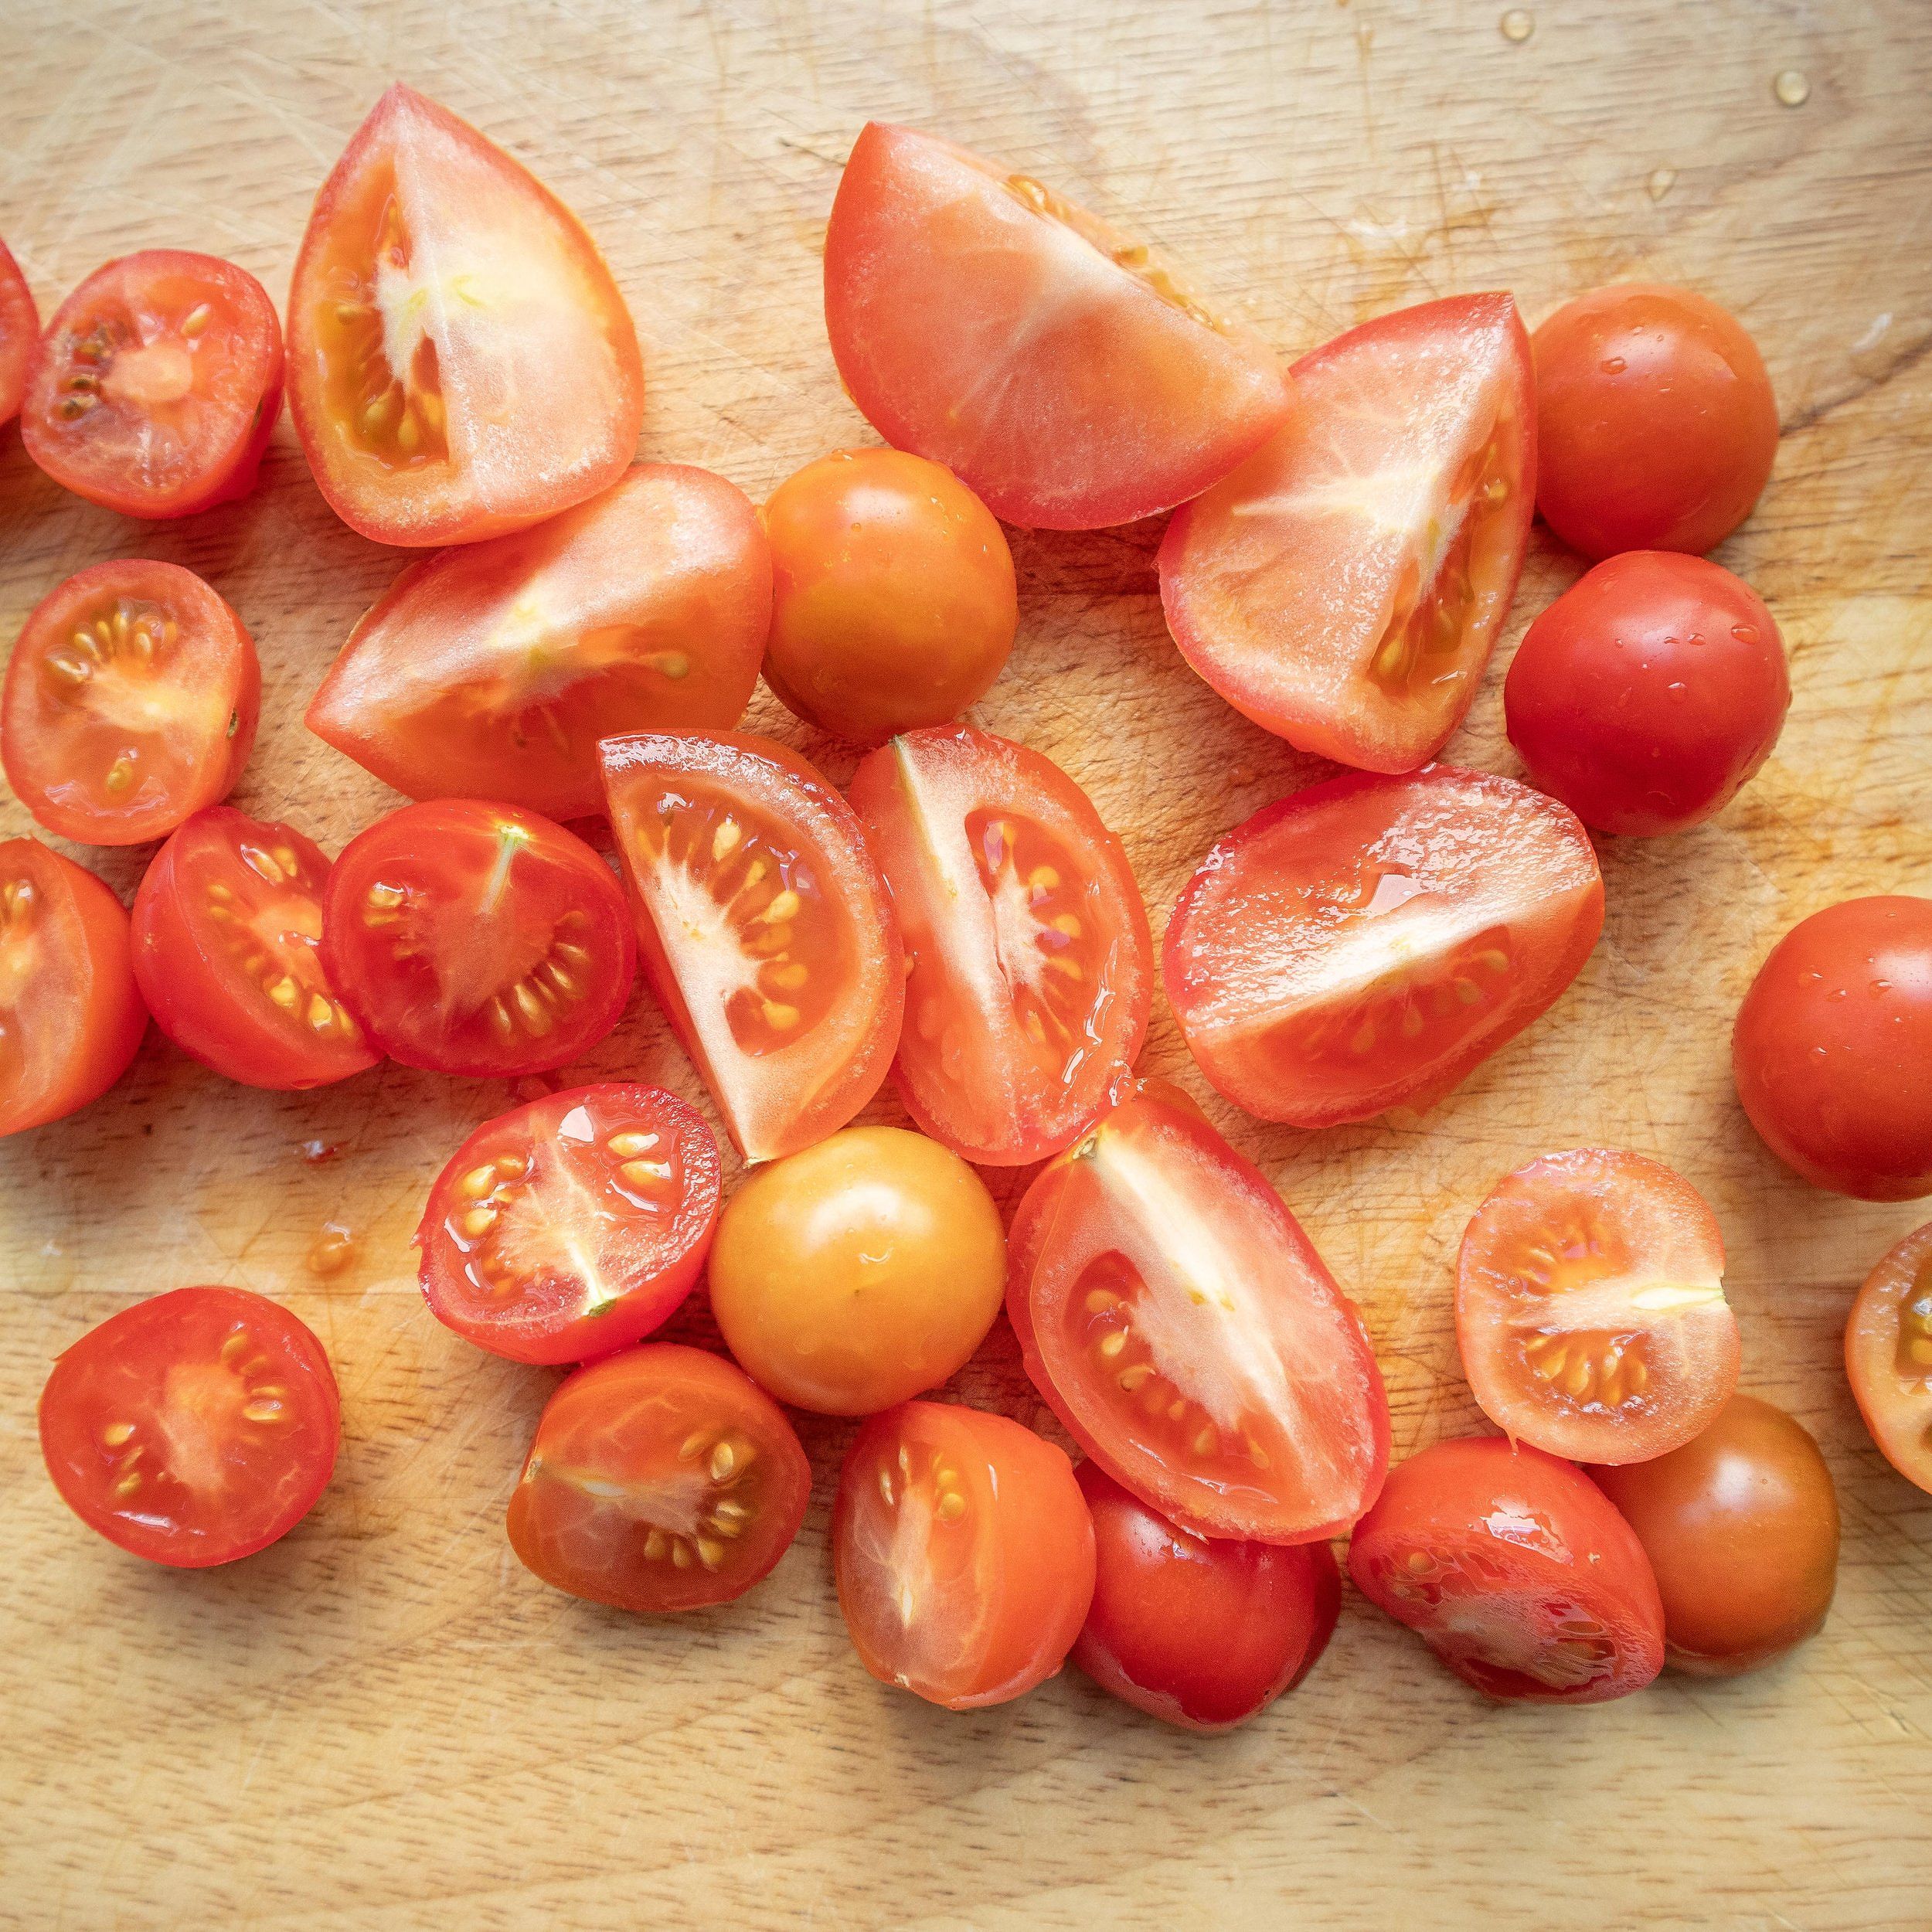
{"type": "Point", "coordinates": [1181, 1324]}
{"type": "Point", "coordinates": [492, 670]}
{"type": "Point", "coordinates": [1516, 1571]}
{"type": "Point", "coordinates": [1058, 369]}
{"type": "Point", "coordinates": [1888, 1356]}
{"type": "Point", "coordinates": [1365, 944]}
{"type": "Point", "coordinates": [1029, 964]}
{"type": "Point", "coordinates": [193, 1428]}
{"type": "Point", "coordinates": [461, 362]}
{"type": "Point", "coordinates": [20, 334]}
{"type": "Point", "coordinates": [766, 931]}
{"type": "Point", "coordinates": [157, 385]}
{"type": "Point", "coordinates": [1345, 586]}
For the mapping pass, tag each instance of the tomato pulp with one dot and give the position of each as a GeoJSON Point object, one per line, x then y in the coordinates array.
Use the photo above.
{"type": "Point", "coordinates": [1888, 1356]}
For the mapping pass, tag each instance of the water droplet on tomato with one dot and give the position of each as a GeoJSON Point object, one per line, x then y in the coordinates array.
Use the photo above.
{"type": "Point", "coordinates": [1614, 365]}
{"type": "Point", "coordinates": [1745, 633]}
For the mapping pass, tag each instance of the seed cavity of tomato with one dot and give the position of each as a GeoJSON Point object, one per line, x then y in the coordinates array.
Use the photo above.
{"type": "Point", "coordinates": [1914, 1359]}
{"type": "Point", "coordinates": [257, 934]}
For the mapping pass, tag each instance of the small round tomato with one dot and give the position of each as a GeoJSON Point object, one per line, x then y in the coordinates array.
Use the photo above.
{"type": "Point", "coordinates": [1204, 1632]}
{"type": "Point", "coordinates": [157, 385]}
{"type": "Point", "coordinates": [129, 703]}
{"type": "Point", "coordinates": [1655, 423]}
{"type": "Point", "coordinates": [963, 1552]}
{"type": "Point", "coordinates": [661, 1479]}
{"type": "Point", "coordinates": [1888, 1356]}
{"type": "Point", "coordinates": [894, 603]}
{"type": "Point", "coordinates": [478, 938]}
{"type": "Point", "coordinates": [572, 1226]}
{"type": "Point", "coordinates": [1832, 1050]}
{"type": "Point", "coordinates": [859, 1272]}
{"type": "Point", "coordinates": [194, 1427]}
{"type": "Point", "coordinates": [1516, 1570]}
{"type": "Point", "coordinates": [19, 333]}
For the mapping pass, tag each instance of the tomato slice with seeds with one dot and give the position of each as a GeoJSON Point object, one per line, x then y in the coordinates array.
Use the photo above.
{"type": "Point", "coordinates": [662, 1478]}
{"type": "Point", "coordinates": [1366, 943]}
{"type": "Point", "coordinates": [1888, 1356]}
{"type": "Point", "coordinates": [193, 1428]}
{"type": "Point", "coordinates": [1029, 961]}
{"type": "Point", "coordinates": [19, 333]}
{"type": "Point", "coordinates": [764, 928]}
{"type": "Point", "coordinates": [130, 704]}
{"type": "Point", "coordinates": [1181, 1324]}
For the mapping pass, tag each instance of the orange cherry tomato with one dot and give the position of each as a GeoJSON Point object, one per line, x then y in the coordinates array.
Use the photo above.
{"type": "Point", "coordinates": [1888, 1356]}
{"type": "Point", "coordinates": [20, 334]}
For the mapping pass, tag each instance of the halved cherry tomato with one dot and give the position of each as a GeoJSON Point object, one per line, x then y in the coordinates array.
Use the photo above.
{"type": "Point", "coordinates": [661, 1479]}
{"type": "Point", "coordinates": [1202, 1631]}
{"type": "Point", "coordinates": [492, 670]}
{"type": "Point", "coordinates": [1181, 1324]}
{"type": "Point", "coordinates": [1516, 1570]}
{"type": "Point", "coordinates": [573, 1227]}
{"type": "Point", "coordinates": [157, 385]}
{"type": "Point", "coordinates": [70, 1017]}
{"type": "Point", "coordinates": [1344, 588]}
{"type": "Point", "coordinates": [1888, 1356]}
{"type": "Point", "coordinates": [19, 333]}
{"type": "Point", "coordinates": [1030, 966]}
{"type": "Point", "coordinates": [476, 939]}
{"type": "Point", "coordinates": [193, 1428]}
{"type": "Point", "coordinates": [1366, 943]}
{"type": "Point", "coordinates": [1057, 367]}
{"type": "Point", "coordinates": [1590, 1309]}
{"type": "Point", "coordinates": [227, 939]}
{"type": "Point", "coordinates": [963, 1552]}
{"type": "Point", "coordinates": [129, 703]}
{"type": "Point", "coordinates": [461, 362]}
{"type": "Point", "coordinates": [765, 929]}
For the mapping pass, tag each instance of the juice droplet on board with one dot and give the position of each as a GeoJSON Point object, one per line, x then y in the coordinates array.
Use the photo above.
{"type": "Point", "coordinates": [315, 1152]}
{"type": "Point", "coordinates": [1517, 24]}
{"type": "Point", "coordinates": [1662, 180]}
{"type": "Point", "coordinates": [333, 1250]}
{"type": "Point", "coordinates": [1791, 88]}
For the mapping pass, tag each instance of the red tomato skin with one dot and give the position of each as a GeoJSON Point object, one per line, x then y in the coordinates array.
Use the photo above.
{"type": "Point", "coordinates": [19, 333]}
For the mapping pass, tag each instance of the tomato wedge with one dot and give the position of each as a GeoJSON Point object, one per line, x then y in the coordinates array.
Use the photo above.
{"type": "Point", "coordinates": [492, 670]}
{"type": "Point", "coordinates": [461, 362]}
{"type": "Point", "coordinates": [1345, 588]}
{"type": "Point", "coordinates": [193, 1428]}
{"type": "Point", "coordinates": [765, 930]}
{"type": "Point", "coordinates": [19, 333]}
{"type": "Point", "coordinates": [1365, 944]}
{"type": "Point", "coordinates": [1030, 966]}
{"type": "Point", "coordinates": [1888, 1356]}
{"type": "Point", "coordinates": [129, 703]}
{"type": "Point", "coordinates": [1059, 368]}
{"type": "Point", "coordinates": [157, 385]}
{"type": "Point", "coordinates": [1590, 1309]}
{"type": "Point", "coordinates": [227, 936]}
{"type": "Point", "coordinates": [1181, 1324]}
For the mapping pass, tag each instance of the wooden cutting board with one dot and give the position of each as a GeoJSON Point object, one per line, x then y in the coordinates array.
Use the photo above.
{"type": "Point", "coordinates": [384, 1722]}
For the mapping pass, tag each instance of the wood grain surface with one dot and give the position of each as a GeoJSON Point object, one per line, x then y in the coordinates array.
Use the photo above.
{"type": "Point", "coordinates": [383, 1721]}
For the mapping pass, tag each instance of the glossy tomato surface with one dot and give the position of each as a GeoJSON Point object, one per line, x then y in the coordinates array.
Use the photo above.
{"type": "Point", "coordinates": [19, 333]}
{"type": "Point", "coordinates": [1888, 1356]}
{"type": "Point", "coordinates": [1059, 368]}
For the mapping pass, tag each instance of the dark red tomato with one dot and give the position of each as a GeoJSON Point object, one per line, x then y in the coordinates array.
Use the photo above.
{"type": "Point", "coordinates": [562, 1230]}
{"type": "Point", "coordinates": [1888, 1356]}
{"type": "Point", "coordinates": [1204, 1632]}
{"type": "Point", "coordinates": [1366, 943]}
{"type": "Point", "coordinates": [1655, 423]}
{"type": "Point", "coordinates": [1057, 367]}
{"type": "Point", "coordinates": [1516, 1572]}
{"type": "Point", "coordinates": [20, 334]}
{"type": "Point", "coordinates": [129, 703]}
{"type": "Point", "coordinates": [1029, 967]}
{"type": "Point", "coordinates": [193, 1428]}
{"type": "Point", "coordinates": [662, 1478]}
{"type": "Point", "coordinates": [1181, 1324]}
{"type": "Point", "coordinates": [157, 385]}
{"type": "Point", "coordinates": [1832, 1050]}
{"type": "Point", "coordinates": [1345, 586]}
{"type": "Point", "coordinates": [476, 939]}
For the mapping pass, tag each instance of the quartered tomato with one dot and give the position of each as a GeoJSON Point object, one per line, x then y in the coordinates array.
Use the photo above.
{"type": "Point", "coordinates": [1364, 944]}
{"type": "Point", "coordinates": [765, 929]}
{"type": "Point", "coordinates": [227, 935]}
{"type": "Point", "coordinates": [562, 1230]}
{"type": "Point", "coordinates": [1516, 1570]}
{"type": "Point", "coordinates": [1029, 964]}
{"type": "Point", "coordinates": [1888, 1356]}
{"type": "Point", "coordinates": [1181, 1324]}
{"type": "Point", "coordinates": [963, 1552]}
{"type": "Point", "coordinates": [193, 1428]}
{"type": "Point", "coordinates": [492, 670]}
{"type": "Point", "coordinates": [1058, 368]}
{"type": "Point", "coordinates": [1345, 586]}
{"type": "Point", "coordinates": [131, 703]}
{"type": "Point", "coordinates": [662, 1478]}
{"type": "Point", "coordinates": [476, 939]}
{"type": "Point", "coordinates": [461, 362]}
{"type": "Point", "coordinates": [1590, 1309]}
{"type": "Point", "coordinates": [157, 385]}
{"type": "Point", "coordinates": [19, 333]}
